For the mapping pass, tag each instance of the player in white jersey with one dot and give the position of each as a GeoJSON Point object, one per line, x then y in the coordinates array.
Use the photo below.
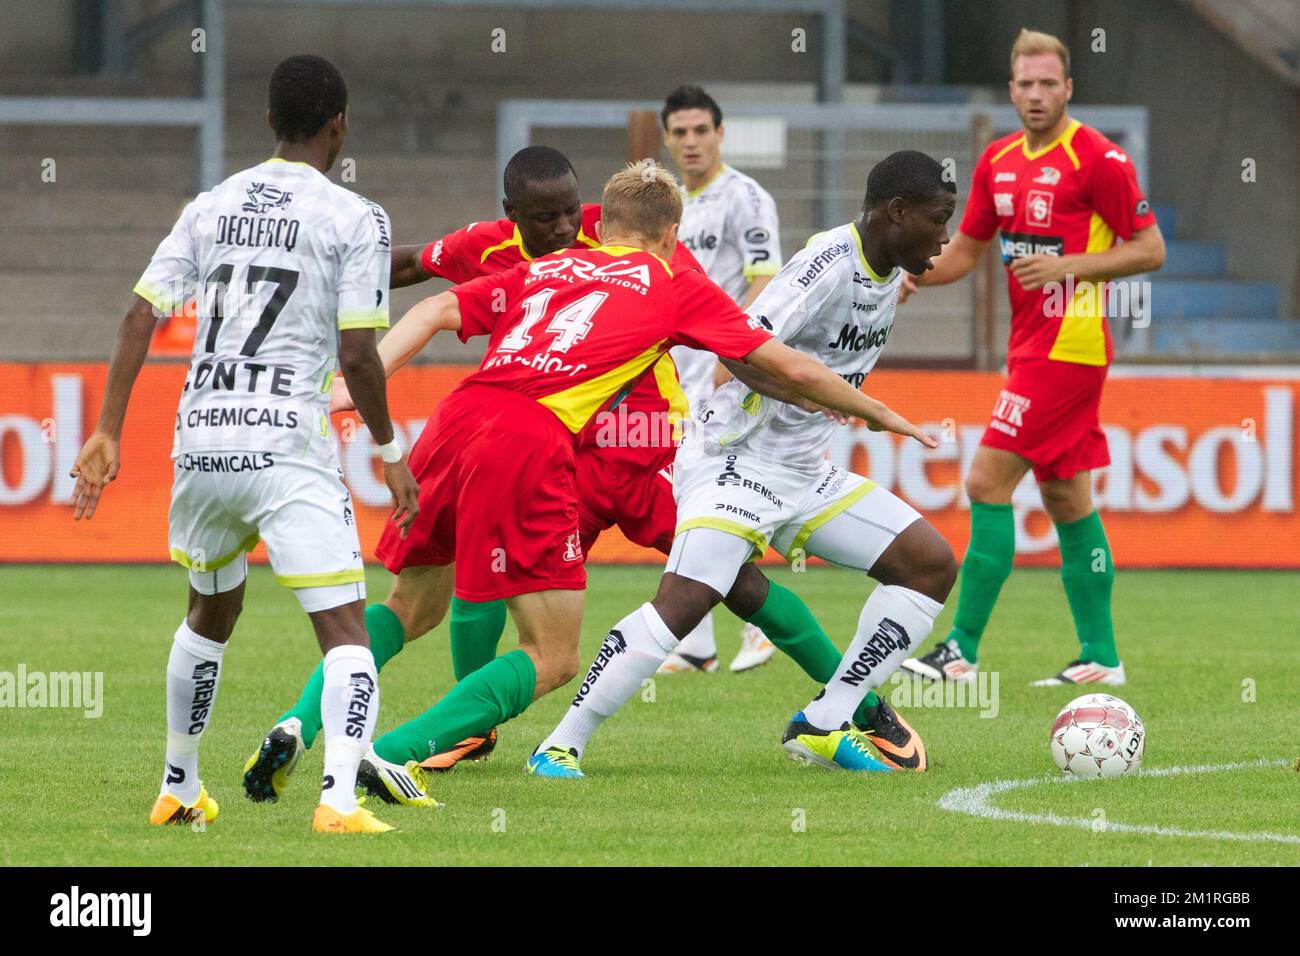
{"type": "Point", "coordinates": [729, 222]}
{"type": "Point", "coordinates": [753, 473]}
{"type": "Point", "coordinates": [291, 275]}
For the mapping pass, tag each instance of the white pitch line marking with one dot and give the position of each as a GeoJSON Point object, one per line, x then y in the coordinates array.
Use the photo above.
{"type": "Point", "coordinates": [974, 801]}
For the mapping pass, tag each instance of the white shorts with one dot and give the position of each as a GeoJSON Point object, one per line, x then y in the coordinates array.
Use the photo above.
{"type": "Point", "coordinates": [832, 514]}
{"type": "Point", "coordinates": [223, 502]}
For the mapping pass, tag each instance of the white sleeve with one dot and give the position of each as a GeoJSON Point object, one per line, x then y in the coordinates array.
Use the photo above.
{"type": "Point", "coordinates": [171, 278]}
{"type": "Point", "coordinates": [757, 231]}
{"type": "Point", "coordinates": [363, 279]}
{"type": "Point", "coordinates": [794, 297]}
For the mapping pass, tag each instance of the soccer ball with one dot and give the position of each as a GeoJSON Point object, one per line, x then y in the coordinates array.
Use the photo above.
{"type": "Point", "coordinates": [1098, 736]}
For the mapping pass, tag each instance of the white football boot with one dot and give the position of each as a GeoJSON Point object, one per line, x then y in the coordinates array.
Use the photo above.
{"type": "Point", "coordinates": [944, 662]}
{"type": "Point", "coordinates": [755, 650]}
{"type": "Point", "coordinates": [1081, 672]}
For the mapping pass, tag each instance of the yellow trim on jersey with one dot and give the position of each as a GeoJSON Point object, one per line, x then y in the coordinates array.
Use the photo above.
{"type": "Point", "coordinates": [827, 513]}
{"type": "Point", "coordinates": [364, 319]}
{"type": "Point", "coordinates": [290, 162]}
{"type": "Point", "coordinates": [759, 269]}
{"type": "Point", "coordinates": [516, 239]}
{"type": "Point", "coordinates": [756, 538]}
{"type": "Point", "coordinates": [1081, 338]}
{"type": "Point", "coordinates": [857, 241]}
{"type": "Point", "coordinates": [1018, 141]}
{"type": "Point", "coordinates": [1066, 135]}
{"type": "Point", "coordinates": [575, 406]}
{"type": "Point", "coordinates": [624, 250]}
{"type": "Point", "coordinates": [587, 240]}
{"type": "Point", "coordinates": [328, 579]}
{"type": "Point", "coordinates": [155, 297]}
{"type": "Point", "coordinates": [1067, 143]}
{"type": "Point", "coordinates": [670, 388]}
{"type": "Point", "coordinates": [692, 193]}
{"type": "Point", "coordinates": [183, 559]}
{"type": "Point", "coordinates": [328, 383]}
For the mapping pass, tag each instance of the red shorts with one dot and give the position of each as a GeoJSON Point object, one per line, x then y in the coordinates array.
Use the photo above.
{"type": "Point", "coordinates": [498, 496]}
{"type": "Point", "coordinates": [1048, 414]}
{"type": "Point", "coordinates": [631, 487]}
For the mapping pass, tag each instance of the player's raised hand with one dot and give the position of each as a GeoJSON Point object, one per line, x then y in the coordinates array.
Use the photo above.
{"type": "Point", "coordinates": [95, 467]}
{"type": "Point", "coordinates": [885, 419]}
{"type": "Point", "coordinates": [906, 287]}
{"type": "Point", "coordinates": [340, 397]}
{"type": "Point", "coordinates": [406, 494]}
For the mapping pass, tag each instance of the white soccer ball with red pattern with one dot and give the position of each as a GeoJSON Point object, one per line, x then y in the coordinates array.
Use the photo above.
{"type": "Point", "coordinates": [1098, 736]}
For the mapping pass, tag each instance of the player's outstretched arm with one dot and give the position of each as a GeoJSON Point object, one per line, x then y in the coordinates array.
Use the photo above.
{"type": "Point", "coordinates": [413, 331]}
{"type": "Point", "coordinates": [359, 361]}
{"type": "Point", "coordinates": [406, 269]}
{"type": "Point", "coordinates": [99, 458]}
{"type": "Point", "coordinates": [810, 378]}
{"type": "Point", "coordinates": [766, 385]}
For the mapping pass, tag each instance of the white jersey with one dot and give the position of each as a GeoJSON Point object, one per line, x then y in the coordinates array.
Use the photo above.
{"type": "Point", "coordinates": [281, 261]}
{"type": "Point", "coordinates": [730, 225]}
{"type": "Point", "coordinates": [826, 302]}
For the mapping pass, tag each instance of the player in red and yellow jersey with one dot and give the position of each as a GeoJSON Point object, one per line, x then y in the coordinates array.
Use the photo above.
{"type": "Point", "coordinates": [624, 481]}
{"type": "Point", "coordinates": [497, 463]}
{"type": "Point", "coordinates": [1061, 194]}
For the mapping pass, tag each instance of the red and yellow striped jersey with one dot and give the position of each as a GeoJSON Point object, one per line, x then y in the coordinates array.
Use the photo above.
{"type": "Point", "coordinates": [485, 248]}
{"type": "Point", "coordinates": [571, 329]}
{"type": "Point", "coordinates": [1076, 194]}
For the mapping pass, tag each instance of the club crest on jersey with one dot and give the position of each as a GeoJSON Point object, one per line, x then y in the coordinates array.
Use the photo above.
{"type": "Point", "coordinates": [263, 197]}
{"type": "Point", "coordinates": [1048, 176]}
{"type": "Point", "coordinates": [1038, 209]}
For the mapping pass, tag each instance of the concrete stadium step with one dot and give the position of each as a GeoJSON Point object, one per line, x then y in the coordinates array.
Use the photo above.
{"type": "Point", "coordinates": [66, 207]}
{"type": "Point", "coordinates": [1226, 335]}
{"type": "Point", "coordinates": [1194, 258]}
{"type": "Point", "coordinates": [60, 314]}
{"type": "Point", "coordinates": [120, 253]}
{"type": "Point", "coordinates": [1167, 217]}
{"type": "Point", "coordinates": [167, 172]}
{"type": "Point", "coordinates": [1208, 298]}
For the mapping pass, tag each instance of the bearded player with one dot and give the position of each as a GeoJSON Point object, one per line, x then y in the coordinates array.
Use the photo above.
{"type": "Point", "coordinates": [1061, 194]}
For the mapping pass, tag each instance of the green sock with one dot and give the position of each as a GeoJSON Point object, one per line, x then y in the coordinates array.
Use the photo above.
{"type": "Point", "coordinates": [987, 564]}
{"type": "Point", "coordinates": [1088, 572]}
{"type": "Point", "coordinates": [790, 625]}
{"type": "Point", "coordinates": [386, 641]}
{"type": "Point", "coordinates": [476, 630]}
{"type": "Point", "coordinates": [490, 696]}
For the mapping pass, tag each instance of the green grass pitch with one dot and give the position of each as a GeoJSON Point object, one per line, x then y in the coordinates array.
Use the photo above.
{"type": "Point", "coordinates": [694, 776]}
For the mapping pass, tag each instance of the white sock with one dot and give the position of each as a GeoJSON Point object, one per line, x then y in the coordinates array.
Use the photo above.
{"type": "Point", "coordinates": [349, 707]}
{"type": "Point", "coordinates": [193, 671]}
{"type": "Point", "coordinates": [894, 621]}
{"type": "Point", "coordinates": [700, 642]}
{"type": "Point", "coordinates": [632, 651]}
